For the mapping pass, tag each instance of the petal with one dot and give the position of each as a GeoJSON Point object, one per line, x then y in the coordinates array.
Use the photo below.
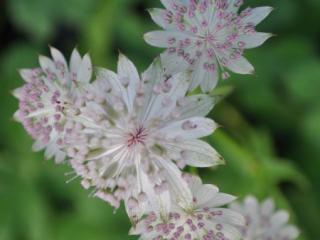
{"type": "Point", "coordinates": [161, 104]}
{"type": "Point", "coordinates": [290, 232]}
{"type": "Point", "coordinates": [196, 105]}
{"type": "Point", "coordinates": [257, 15]}
{"type": "Point", "coordinates": [178, 185]}
{"type": "Point", "coordinates": [128, 72]}
{"type": "Point", "coordinates": [267, 207]}
{"type": "Point", "coordinates": [161, 38]}
{"type": "Point", "coordinates": [58, 57]}
{"type": "Point", "coordinates": [173, 64]}
{"type": "Point", "coordinates": [251, 205]}
{"type": "Point", "coordinates": [195, 152]}
{"type": "Point", "coordinates": [241, 66]}
{"type": "Point", "coordinates": [190, 128]}
{"type": "Point", "coordinates": [228, 231]}
{"type": "Point", "coordinates": [255, 39]}
{"type": "Point", "coordinates": [17, 92]}
{"type": "Point", "coordinates": [203, 77]}
{"type": "Point", "coordinates": [75, 61]}
{"type": "Point", "coordinates": [158, 16]}
{"type": "Point", "coordinates": [26, 74]}
{"type": "Point", "coordinates": [117, 88]}
{"type": "Point", "coordinates": [47, 64]}
{"type": "Point", "coordinates": [219, 199]}
{"type": "Point", "coordinates": [84, 72]}
{"type": "Point", "coordinates": [280, 218]}
{"type": "Point", "coordinates": [230, 217]}
{"type": "Point", "coordinates": [210, 81]}
{"type": "Point", "coordinates": [38, 146]}
{"type": "Point", "coordinates": [204, 193]}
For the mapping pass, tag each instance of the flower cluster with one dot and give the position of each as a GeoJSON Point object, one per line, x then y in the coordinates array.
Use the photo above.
{"type": "Point", "coordinates": [129, 136]}
{"type": "Point", "coordinates": [263, 222]}
{"type": "Point", "coordinates": [207, 37]}
{"type": "Point", "coordinates": [205, 218]}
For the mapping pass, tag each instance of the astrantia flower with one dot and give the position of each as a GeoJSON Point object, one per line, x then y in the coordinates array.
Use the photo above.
{"type": "Point", "coordinates": [134, 127]}
{"type": "Point", "coordinates": [207, 37]}
{"type": "Point", "coordinates": [205, 218]}
{"type": "Point", "coordinates": [263, 222]}
{"type": "Point", "coordinates": [46, 101]}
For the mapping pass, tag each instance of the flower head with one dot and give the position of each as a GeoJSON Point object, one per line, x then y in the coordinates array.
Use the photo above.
{"type": "Point", "coordinates": [134, 127]}
{"type": "Point", "coordinates": [207, 37]}
{"type": "Point", "coordinates": [46, 101]}
{"type": "Point", "coordinates": [205, 218]}
{"type": "Point", "coordinates": [263, 222]}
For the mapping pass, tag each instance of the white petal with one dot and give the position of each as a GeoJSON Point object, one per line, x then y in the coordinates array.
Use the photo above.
{"type": "Point", "coordinates": [161, 38]}
{"type": "Point", "coordinates": [241, 66]}
{"type": "Point", "coordinates": [114, 82]}
{"type": "Point", "coordinates": [280, 218]}
{"type": "Point", "coordinates": [38, 146]}
{"type": "Point", "coordinates": [158, 16]}
{"type": "Point", "coordinates": [58, 57]}
{"type": "Point", "coordinates": [251, 205]}
{"type": "Point", "coordinates": [127, 70]}
{"type": "Point", "coordinates": [173, 64]}
{"type": "Point", "coordinates": [178, 185]}
{"type": "Point", "coordinates": [220, 199]}
{"type": "Point", "coordinates": [59, 157]}
{"type": "Point", "coordinates": [201, 127]}
{"type": "Point", "coordinates": [207, 79]}
{"type": "Point", "coordinates": [290, 232]}
{"type": "Point", "coordinates": [195, 152]}
{"type": "Point", "coordinates": [84, 72]}
{"type": "Point", "coordinates": [17, 92]}
{"type": "Point", "coordinates": [75, 61]}
{"type": "Point", "coordinates": [229, 231]}
{"type": "Point", "coordinates": [267, 207]}
{"type": "Point", "coordinates": [210, 81]}
{"type": "Point", "coordinates": [47, 64]}
{"type": "Point", "coordinates": [204, 193]}
{"type": "Point", "coordinates": [258, 15]}
{"type": "Point", "coordinates": [26, 74]}
{"type": "Point", "coordinates": [196, 105]}
{"type": "Point", "coordinates": [230, 217]}
{"type": "Point", "coordinates": [156, 106]}
{"type": "Point", "coordinates": [255, 39]}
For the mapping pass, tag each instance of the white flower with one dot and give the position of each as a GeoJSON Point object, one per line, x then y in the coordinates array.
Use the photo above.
{"type": "Point", "coordinates": [204, 219]}
{"type": "Point", "coordinates": [207, 37]}
{"type": "Point", "coordinates": [263, 222]}
{"type": "Point", "coordinates": [133, 127]}
{"type": "Point", "coordinates": [47, 100]}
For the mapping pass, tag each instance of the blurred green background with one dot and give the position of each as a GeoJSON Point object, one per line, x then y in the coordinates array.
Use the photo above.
{"type": "Point", "coordinates": [270, 138]}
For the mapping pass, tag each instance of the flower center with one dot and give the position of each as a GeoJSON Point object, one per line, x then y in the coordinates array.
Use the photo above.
{"type": "Point", "coordinates": [137, 137]}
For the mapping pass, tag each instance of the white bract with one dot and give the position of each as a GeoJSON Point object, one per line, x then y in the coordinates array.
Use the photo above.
{"type": "Point", "coordinates": [46, 101]}
{"type": "Point", "coordinates": [134, 126]}
{"type": "Point", "coordinates": [207, 38]}
{"type": "Point", "coordinates": [204, 218]}
{"type": "Point", "coordinates": [263, 222]}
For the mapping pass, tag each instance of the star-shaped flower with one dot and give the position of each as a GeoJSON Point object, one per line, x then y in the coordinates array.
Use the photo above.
{"type": "Point", "coordinates": [47, 100]}
{"type": "Point", "coordinates": [205, 217]}
{"type": "Point", "coordinates": [134, 126]}
{"type": "Point", "coordinates": [207, 37]}
{"type": "Point", "coordinates": [263, 222]}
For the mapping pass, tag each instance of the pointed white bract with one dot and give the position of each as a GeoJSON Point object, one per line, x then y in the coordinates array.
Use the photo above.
{"type": "Point", "coordinates": [263, 222]}
{"type": "Point", "coordinates": [140, 129]}
{"type": "Point", "coordinates": [205, 217]}
{"type": "Point", "coordinates": [207, 38]}
{"type": "Point", "coordinates": [47, 100]}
